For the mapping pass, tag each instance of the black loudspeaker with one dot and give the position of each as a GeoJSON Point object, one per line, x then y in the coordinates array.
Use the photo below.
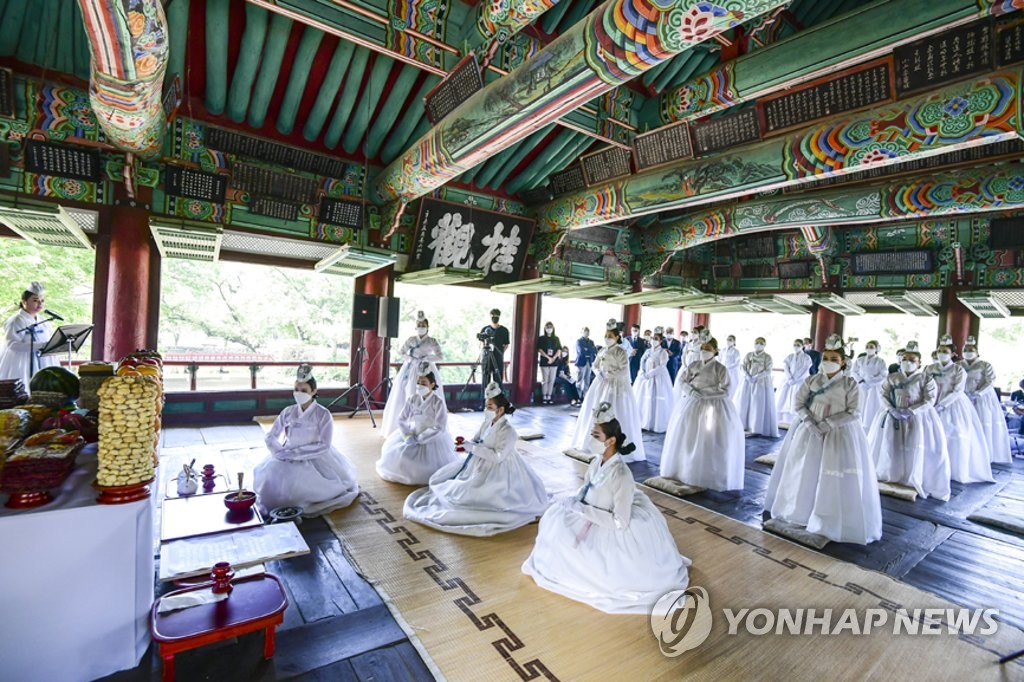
{"type": "Point", "coordinates": [387, 317]}
{"type": "Point", "coordinates": [365, 308]}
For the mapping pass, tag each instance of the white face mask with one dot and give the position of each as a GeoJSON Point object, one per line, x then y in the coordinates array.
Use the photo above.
{"type": "Point", "coordinates": [706, 355]}
{"type": "Point", "coordinates": [301, 398]}
{"type": "Point", "coordinates": [422, 391]}
{"type": "Point", "coordinates": [490, 415]}
{"type": "Point", "coordinates": [830, 367]}
{"type": "Point", "coordinates": [871, 351]}
{"type": "Point", "coordinates": [797, 349]}
{"type": "Point", "coordinates": [758, 346]}
{"type": "Point", "coordinates": [970, 355]}
{"type": "Point", "coordinates": [730, 342]}
{"type": "Point", "coordinates": [421, 331]}
{"type": "Point", "coordinates": [549, 331]}
{"type": "Point", "coordinates": [586, 334]}
{"type": "Point", "coordinates": [596, 446]}
{"type": "Point", "coordinates": [944, 358]}
{"type": "Point", "coordinates": [908, 366]}
{"type": "Point", "coordinates": [609, 341]}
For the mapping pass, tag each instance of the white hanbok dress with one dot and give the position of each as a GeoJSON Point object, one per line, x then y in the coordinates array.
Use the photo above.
{"type": "Point", "coordinates": [704, 445]}
{"type": "Point", "coordinates": [757, 400]}
{"type": "Point", "coordinates": [869, 371]}
{"type": "Point", "coordinates": [414, 351]}
{"type": "Point", "coordinates": [304, 469]}
{"type": "Point", "coordinates": [980, 389]}
{"type": "Point", "coordinates": [653, 390]}
{"type": "Point", "coordinates": [608, 545]}
{"type": "Point", "coordinates": [913, 451]}
{"type": "Point", "coordinates": [827, 482]}
{"type": "Point", "coordinates": [17, 350]}
{"type": "Point", "coordinates": [969, 459]}
{"type": "Point", "coordinates": [796, 367]}
{"type": "Point", "coordinates": [611, 385]}
{"type": "Point", "coordinates": [421, 444]}
{"type": "Point", "coordinates": [491, 491]}
{"type": "Point", "coordinates": [732, 359]}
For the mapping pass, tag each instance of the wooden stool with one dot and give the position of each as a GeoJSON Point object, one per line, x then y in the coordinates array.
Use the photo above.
{"type": "Point", "coordinates": [255, 603]}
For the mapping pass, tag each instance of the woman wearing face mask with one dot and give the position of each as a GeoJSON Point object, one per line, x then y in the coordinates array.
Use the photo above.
{"type": "Point", "coordinates": [611, 385]}
{"type": "Point", "coordinates": [16, 361]}
{"type": "Point", "coordinates": [824, 478]}
{"type": "Point", "coordinates": [491, 490]}
{"type": "Point", "coordinates": [304, 469]}
{"type": "Point", "coordinates": [653, 387]}
{"type": "Point", "coordinates": [421, 445]}
{"type": "Point", "coordinates": [757, 399]}
{"type": "Point", "coordinates": [732, 359]}
{"type": "Point", "coordinates": [416, 350]}
{"type": "Point", "coordinates": [704, 444]}
{"type": "Point", "coordinates": [870, 371]}
{"type": "Point", "coordinates": [981, 380]}
{"type": "Point", "coordinates": [969, 459]}
{"type": "Point", "coordinates": [796, 367]}
{"type": "Point", "coordinates": [548, 348]}
{"type": "Point", "coordinates": [607, 545]}
{"type": "Point", "coordinates": [906, 439]}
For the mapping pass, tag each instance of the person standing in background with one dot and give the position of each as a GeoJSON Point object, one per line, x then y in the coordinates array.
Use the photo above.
{"type": "Point", "coordinates": [25, 333]}
{"type": "Point", "coordinates": [563, 378]}
{"type": "Point", "coordinates": [675, 352]}
{"type": "Point", "coordinates": [586, 353]}
{"type": "Point", "coordinates": [732, 359]}
{"type": "Point", "coordinates": [815, 355]}
{"type": "Point", "coordinates": [637, 348]}
{"type": "Point", "coordinates": [548, 348]}
{"type": "Point", "coordinates": [494, 339]}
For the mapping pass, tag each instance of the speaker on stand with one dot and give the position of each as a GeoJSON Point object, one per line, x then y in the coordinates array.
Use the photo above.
{"type": "Point", "coordinates": [388, 312]}
{"type": "Point", "coordinates": [365, 311]}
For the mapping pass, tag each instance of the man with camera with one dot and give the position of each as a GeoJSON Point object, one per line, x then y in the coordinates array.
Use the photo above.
{"type": "Point", "coordinates": [494, 340]}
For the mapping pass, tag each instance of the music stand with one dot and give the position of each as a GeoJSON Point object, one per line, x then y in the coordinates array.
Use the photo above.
{"type": "Point", "coordinates": [31, 329]}
{"type": "Point", "coordinates": [362, 395]}
{"type": "Point", "coordinates": [69, 338]}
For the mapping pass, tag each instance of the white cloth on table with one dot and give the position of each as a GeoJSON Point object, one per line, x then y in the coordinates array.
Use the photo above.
{"type": "Point", "coordinates": [421, 444]}
{"type": "Point", "coordinates": [608, 545]}
{"type": "Point", "coordinates": [704, 445]}
{"type": "Point", "coordinates": [186, 600]}
{"type": "Point", "coordinates": [969, 459]}
{"type": "Point", "coordinates": [732, 359]}
{"type": "Point", "coordinates": [757, 399]}
{"type": "Point", "coordinates": [17, 350]}
{"type": "Point", "coordinates": [906, 439]}
{"type": "Point", "coordinates": [611, 385]}
{"type": "Point", "coordinates": [825, 478]}
{"type": "Point", "coordinates": [869, 371]}
{"type": "Point", "coordinates": [304, 470]}
{"type": "Point", "coordinates": [796, 367]}
{"type": "Point", "coordinates": [491, 491]}
{"type": "Point", "coordinates": [414, 351]}
{"type": "Point", "coordinates": [653, 390]}
{"type": "Point", "coordinates": [980, 389]}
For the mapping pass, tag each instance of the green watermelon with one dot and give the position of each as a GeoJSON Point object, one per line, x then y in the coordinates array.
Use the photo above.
{"type": "Point", "coordinates": [56, 380]}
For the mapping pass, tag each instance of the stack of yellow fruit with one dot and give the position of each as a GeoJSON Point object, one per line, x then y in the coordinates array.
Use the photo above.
{"type": "Point", "coordinates": [127, 445]}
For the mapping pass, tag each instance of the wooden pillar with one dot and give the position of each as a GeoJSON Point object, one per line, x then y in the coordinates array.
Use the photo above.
{"type": "Point", "coordinates": [101, 272]}
{"type": "Point", "coordinates": [375, 359]}
{"type": "Point", "coordinates": [956, 320]}
{"type": "Point", "coordinates": [128, 287]}
{"type": "Point", "coordinates": [631, 313]}
{"type": "Point", "coordinates": [526, 328]}
{"type": "Point", "coordinates": [824, 323]}
{"type": "Point", "coordinates": [153, 319]}
{"type": "Point", "coordinates": [701, 320]}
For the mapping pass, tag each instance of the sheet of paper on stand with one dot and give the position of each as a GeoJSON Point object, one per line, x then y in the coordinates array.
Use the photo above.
{"type": "Point", "coordinates": [195, 556]}
{"type": "Point", "coordinates": [176, 602]}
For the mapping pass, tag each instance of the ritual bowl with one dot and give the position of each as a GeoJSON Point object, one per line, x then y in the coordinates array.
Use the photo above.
{"type": "Point", "coordinates": [239, 501]}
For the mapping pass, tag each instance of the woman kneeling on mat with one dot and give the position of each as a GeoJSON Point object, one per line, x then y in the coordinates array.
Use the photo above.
{"type": "Point", "coordinates": [493, 490]}
{"type": "Point", "coordinates": [421, 444]}
{"type": "Point", "coordinates": [824, 478]}
{"type": "Point", "coordinates": [607, 546]}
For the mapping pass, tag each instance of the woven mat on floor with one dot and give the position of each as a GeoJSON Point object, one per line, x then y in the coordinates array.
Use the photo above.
{"type": "Point", "coordinates": [672, 487]}
{"type": "Point", "coordinates": [797, 534]}
{"type": "Point", "coordinates": [479, 618]}
{"type": "Point", "coordinates": [1002, 513]}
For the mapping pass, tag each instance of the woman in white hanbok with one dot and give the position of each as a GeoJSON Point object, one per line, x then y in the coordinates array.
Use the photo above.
{"type": "Point", "coordinates": [491, 491]}
{"type": "Point", "coordinates": [304, 469]}
{"type": "Point", "coordinates": [421, 445]}
{"type": "Point", "coordinates": [980, 389]}
{"type": "Point", "coordinates": [19, 358]}
{"type": "Point", "coordinates": [415, 351]}
{"type": "Point", "coordinates": [608, 545]}
{"type": "Point", "coordinates": [870, 371]}
{"type": "Point", "coordinates": [757, 400]}
{"type": "Point", "coordinates": [611, 385]}
{"type": "Point", "coordinates": [969, 459]}
{"type": "Point", "coordinates": [906, 439]}
{"type": "Point", "coordinates": [796, 367]}
{"type": "Point", "coordinates": [653, 388]}
{"type": "Point", "coordinates": [704, 445]}
{"type": "Point", "coordinates": [733, 360]}
{"type": "Point", "coordinates": [824, 478]}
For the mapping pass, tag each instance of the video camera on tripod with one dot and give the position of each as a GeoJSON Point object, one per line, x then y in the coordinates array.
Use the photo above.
{"type": "Point", "coordinates": [486, 337]}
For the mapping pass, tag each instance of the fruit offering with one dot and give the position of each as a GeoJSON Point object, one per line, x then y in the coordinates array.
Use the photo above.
{"type": "Point", "coordinates": [91, 376]}
{"type": "Point", "coordinates": [127, 445]}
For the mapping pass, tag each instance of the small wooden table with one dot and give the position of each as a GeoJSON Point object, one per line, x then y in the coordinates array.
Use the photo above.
{"type": "Point", "coordinates": [255, 603]}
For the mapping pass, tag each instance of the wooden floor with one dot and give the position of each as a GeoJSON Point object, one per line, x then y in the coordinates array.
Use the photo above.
{"type": "Point", "coordinates": [337, 627]}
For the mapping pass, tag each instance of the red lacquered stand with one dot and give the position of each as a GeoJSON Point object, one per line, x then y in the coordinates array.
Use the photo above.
{"type": "Point", "coordinates": [255, 603]}
{"type": "Point", "coordinates": [27, 500]}
{"type": "Point", "coordinates": [122, 494]}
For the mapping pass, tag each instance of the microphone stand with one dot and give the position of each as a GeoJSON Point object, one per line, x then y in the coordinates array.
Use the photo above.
{"type": "Point", "coordinates": [31, 329]}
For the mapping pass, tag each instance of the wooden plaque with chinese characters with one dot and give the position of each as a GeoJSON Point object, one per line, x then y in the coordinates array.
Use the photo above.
{"type": "Point", "coordinates": [663, 145]}
{"type": "Point", "coordinates": [343, 212]}
{"type": "Point", "coordinates": [49, 158]}
{"type": "Point", "coordinates": [195, 184]}
{"type": "Point", "coordinates": [944, 58]}
{"type": "Point", "coordinates": [722, 132]}
{"type": "Point", "coordinates": [909, 262]}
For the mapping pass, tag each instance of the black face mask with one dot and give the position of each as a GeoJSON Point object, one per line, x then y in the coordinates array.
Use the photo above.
{"type": "Point", "coordinates": [495, 320]}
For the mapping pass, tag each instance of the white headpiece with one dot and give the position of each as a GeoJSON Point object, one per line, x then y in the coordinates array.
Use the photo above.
{"type": "Point", "coordinates": [912, 347]}
{"type": "Point", "coordinates": [659, 330]}
{"type": "Point", "coordinates": [945, 340]}
{"type": "Point", "coordinates": [834, 342]}
{"type": "Point", "coordinates": [604, 413]}
{"type": "Point", "coordinates": [493, 390]}
{"type": "Point", "coordinates": [421, 316]}
{"type": "Point", "coordinates": [36, 288]}
{"type": "Point", "coordinates": [424, 369]}
{"type": "Point", "coordinates": [704, 335]}
{"type": "Point", "coordinates": [971, 341]}
{"type": "Point", "coordinates": [304, 373]}
{"type": "Point", "coordinates": [612, 324]}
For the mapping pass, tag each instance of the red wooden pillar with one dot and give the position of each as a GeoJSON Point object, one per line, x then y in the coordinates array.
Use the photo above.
{"type": "Point", "coordinates": [701, 320]}
{"type": "Point", "coordinates": [526, 328]}
{"type": "Point", "coordinates": [128, 290]}
{"type": "Point", "coordinates": [631, 313]}
{"type": "Point", "coordinates": [824, 323]}
{"type": "Point", "coordinates": [956, 319]}
{"type": "Point", "coordinates": [375, 358]}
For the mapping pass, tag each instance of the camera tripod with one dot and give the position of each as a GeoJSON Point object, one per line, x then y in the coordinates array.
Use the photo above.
{"type": "Point", "coordinates": [363, 399]}
{"type": "Point", "coordinates": [485, 360]}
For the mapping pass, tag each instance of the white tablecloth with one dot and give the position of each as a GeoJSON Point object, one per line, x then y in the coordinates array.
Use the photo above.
{"type": "Point", "coordinates": [76, 584]}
